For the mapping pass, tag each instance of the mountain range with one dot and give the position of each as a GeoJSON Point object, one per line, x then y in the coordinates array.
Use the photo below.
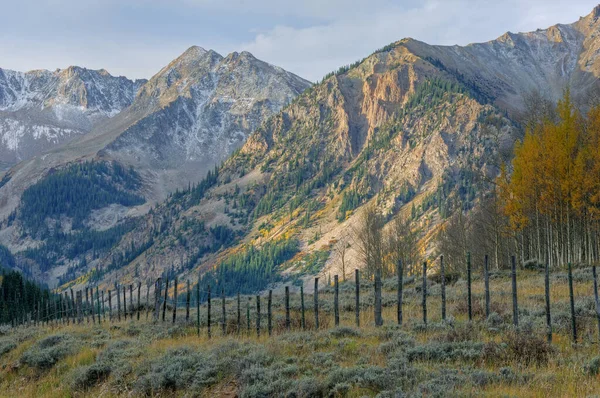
{"type": "Point", "coordinates": [418, 130]}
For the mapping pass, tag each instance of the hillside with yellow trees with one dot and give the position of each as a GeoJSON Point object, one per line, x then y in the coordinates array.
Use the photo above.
{"type": "Point", "coordinates": [552, 196]}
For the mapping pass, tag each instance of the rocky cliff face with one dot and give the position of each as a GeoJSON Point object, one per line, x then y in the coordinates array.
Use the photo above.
{"type": "Point", "coordinates": [197, 111]}
{"type": "Point", "coordinates": [174, 128]}
{"type": "Point", "coordinates": [39, 110]}
{"type": "Point", "coordinates": [418, 130]}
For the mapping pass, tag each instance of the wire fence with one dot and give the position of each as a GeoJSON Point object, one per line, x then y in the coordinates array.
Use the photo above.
{"type": "Point", "coordinates": [196, 305]}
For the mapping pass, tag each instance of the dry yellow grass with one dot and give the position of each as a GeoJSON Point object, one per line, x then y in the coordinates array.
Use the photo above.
{"type": "Point", "coordinates": [563, 375]}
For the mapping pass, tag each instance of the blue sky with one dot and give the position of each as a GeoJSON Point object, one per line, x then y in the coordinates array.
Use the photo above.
{"type": "Point", "coordinates": [136, 38]}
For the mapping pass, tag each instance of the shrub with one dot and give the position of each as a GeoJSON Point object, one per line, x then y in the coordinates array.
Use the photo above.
{"type": "Point", "coordinates": [446, 351]}
{"type": "Point", "coordinates": [592, 368]}
{"type": "Point", "coordinates": [6, 345]}
{"type": "Point", "coordinates": [344, 331]}
{"type": "Point", "coordinates": [527, 348]}
{"type": "Point", "coordinates": [86, 377]}
{"type": "Point", "coordinates": [50, 350]}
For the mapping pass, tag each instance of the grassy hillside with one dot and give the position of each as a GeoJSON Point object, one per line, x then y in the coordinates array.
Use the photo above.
{"type": "Point", "coordinates": [454, 358]}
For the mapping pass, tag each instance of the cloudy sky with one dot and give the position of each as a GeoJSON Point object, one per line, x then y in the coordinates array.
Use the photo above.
{"type": "Point", "coordinates": [136, 38]}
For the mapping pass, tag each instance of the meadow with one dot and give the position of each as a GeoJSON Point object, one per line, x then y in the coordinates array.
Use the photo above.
{"type": "Point", "coordinates": [484, 357]}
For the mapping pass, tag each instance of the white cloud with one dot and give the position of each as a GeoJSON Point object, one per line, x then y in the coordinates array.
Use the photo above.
{"type": "Point", "coordinates": [313, 51]}
{"type": "Point", "coordinates": [136, 38]}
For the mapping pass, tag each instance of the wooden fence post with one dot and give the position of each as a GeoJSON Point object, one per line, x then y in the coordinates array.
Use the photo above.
{"type": "Point", "coordinates": [223, 314]}
{"type": "Point", "coordinates": [131, 309]}
{"type": "Point", "coordinates": [86, 308]}
{"type": "Point", "coordinates": [60, 311]}
{"type": "Point", "coordinates": [98, 301]}
{"type": "Point", "coordinates": [377, 288]}
{"type": "Point", "coordinates": [469, 296]}
{"type": "Point", "coordinates": [79, 305]}
{"type": "Point", "coordinates": [597, 301]}
{"type": "Point", "coordinates": [208, 303]}
{"type": "Point", "coordinates": [110, 314]}
{"type": "Point", "coordinates": [547, 291]}
{"type": "Point", "coordinates": [424, 288]}
{"type": "Point", "coordinates": [239, 313]}
{"type": "Point", "coordinates": [257, 315]}
{"type": "Point", "coordinates": [124, 302]}
{"type": "Point", "coordinates": [269, 313]}
{"type": "Point", "coordinates": [73, 307]}
{"type": "Point", "coordinates": [166, 298]}
{"type": "Point", "coordinates": [139, 292]}
{"type": "Point", "coordinates": [486, 281]}
{"type": "Point", "coordinates": [248, 316]}
{"type": "Point", "coordinates": [67, 309]}
{"type": "Point", "coordinates": [287, 308]}
{"type": "Point", "coordinates": [572, 302]}
{"type": "Point", "coordinates": [303, 319]}
{"type": "Point", "coordinates": [187, 303]}
{"type": "Point", "coordinates": [103, 307]}
{"type": "Point", "coordinates": [198, 306]}
{"type": "Point", "coordinates": [175, 300]}
{"type": "Point", "coordinates": [443, 282]}
{"type": "Point", "coordinates": [357, 297]}
{"type": "Point", "coordinates": [147, 299]}
{"type": "Point", "coordinates": [316, 297]}
{"type": "Point", "coordinates": [336, 301]}
{"type": "Point", "coordinates": [91, 305]}
{"type": "Point", "coordinates": [157, 295]}
{"type": "Point", "coordinates": [514, 291]}
{"type": "Point", "coordinates": [118, 297]}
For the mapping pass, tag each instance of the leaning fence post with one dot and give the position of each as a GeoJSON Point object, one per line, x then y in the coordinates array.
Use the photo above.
{"type": "Point", "coordinates": [208, 304]}
{"type": "Point", "coordinates": [547, 291]}
{"type": "Point", "coordinates": [187, 303]}
{"type": "Point", "coordinates": [287, 308]}
{"type": "Point", "coordinates": [596, 298]}
{"type": "Point", "coordinates": [572, 302]}
{"type": "Point", "coordinates": [316, 297]}
{"type": "Point", "coordinates": [469, 297]}
{"type": "Point", "coordinates": [443, 282]}
{"type": "Point", "coordinates": [514, 291]}
{"type": "Point", "coordinates": [377, 288]}
{"type": "Point", "coordinates": [303, 319]}
{"type": "Point", "coordinates": [258, 315]}
{"type": "Point", "coordinates": [336, 301]}
{"type": "Point", "coordinates": [486, 281]}
{"type": "Point", "coordinates": [357, 297]}
{"type": "Point", "coordinates": [223, 315]}
{"type": "Point", "coordinates": [424, 301]}
{"type": "Point", "coordinates": [269, 314]}
{"type": "Point", "coordinates": [166, 298]}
